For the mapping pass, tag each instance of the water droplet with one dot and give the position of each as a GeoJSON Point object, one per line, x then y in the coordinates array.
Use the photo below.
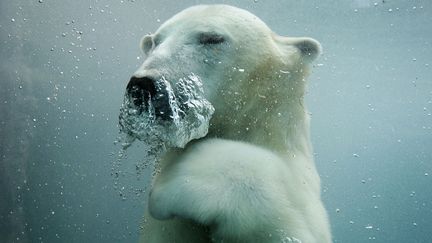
{"type": "Point", "coordinates": [356, 155]}
{"type": "Point", "coordinates": [13, 20]}
{"type": "Point", "coordinates": [390, 10]}
{"type": "Point", "coordinates": [40, 1]}
{"type": "Point", "coordinates": [64, 34]}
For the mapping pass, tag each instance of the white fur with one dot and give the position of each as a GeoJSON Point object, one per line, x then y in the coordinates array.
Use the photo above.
{"type": "Point", "coordinates": [252, 178]}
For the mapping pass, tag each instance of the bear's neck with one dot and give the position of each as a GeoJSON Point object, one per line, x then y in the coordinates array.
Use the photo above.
{"type": "Point", "coordinates": [281, 128]}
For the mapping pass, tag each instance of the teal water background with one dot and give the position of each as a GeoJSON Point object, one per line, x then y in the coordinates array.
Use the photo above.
{"type": "Point", "coordinates": [64, 66]}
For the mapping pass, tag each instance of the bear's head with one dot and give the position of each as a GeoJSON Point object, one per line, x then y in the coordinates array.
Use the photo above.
{"type": "Point", "coordinates": [213, 68]}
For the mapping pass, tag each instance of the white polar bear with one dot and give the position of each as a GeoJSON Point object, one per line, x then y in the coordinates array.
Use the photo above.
{"type": "Point", "coordinates": [252, 177]}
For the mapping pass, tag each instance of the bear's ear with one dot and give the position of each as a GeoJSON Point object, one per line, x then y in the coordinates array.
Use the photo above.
{"type": "Point", "coordinates": [147, 44]}
{"type": "Point", "coordinates": [308, 48]}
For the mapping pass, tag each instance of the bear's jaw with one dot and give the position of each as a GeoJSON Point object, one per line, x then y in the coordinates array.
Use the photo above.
{"type": "Point", "coordinates": [264, 107]}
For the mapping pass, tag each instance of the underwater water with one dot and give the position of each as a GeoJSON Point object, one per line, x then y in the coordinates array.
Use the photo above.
{"type": "Point", "coordinates": [64, 70]}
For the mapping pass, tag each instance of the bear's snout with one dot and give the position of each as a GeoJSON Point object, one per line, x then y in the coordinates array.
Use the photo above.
{"type": "Point", "coordinates": [148, 93]}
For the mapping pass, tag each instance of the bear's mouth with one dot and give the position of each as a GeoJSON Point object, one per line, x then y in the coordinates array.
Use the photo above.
{"type": "Point", "coordinates": [150, 95]}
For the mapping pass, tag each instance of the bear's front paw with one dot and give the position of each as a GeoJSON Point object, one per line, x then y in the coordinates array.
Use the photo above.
{"type": "Point", "coordinates": [180, 192]}
{"type": "Point", "coordinates": [158, 206]}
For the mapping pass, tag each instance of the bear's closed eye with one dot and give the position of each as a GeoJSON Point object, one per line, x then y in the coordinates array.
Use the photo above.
{"type": "Point", "coordinates": [210, 38]}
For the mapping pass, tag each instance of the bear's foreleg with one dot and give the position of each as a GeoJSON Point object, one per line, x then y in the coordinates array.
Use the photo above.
{"type": "Point", "coordinates": [238, 190]}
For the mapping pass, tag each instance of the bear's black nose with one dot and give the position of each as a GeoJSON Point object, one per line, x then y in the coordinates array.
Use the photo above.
{"type": "Point", "coordinates": [146, 91]}
{"type": "Point", "coordinates": [141, 90]}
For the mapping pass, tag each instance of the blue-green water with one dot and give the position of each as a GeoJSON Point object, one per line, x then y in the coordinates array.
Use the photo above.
{"type": "Point", "coordinates": [65, 65]}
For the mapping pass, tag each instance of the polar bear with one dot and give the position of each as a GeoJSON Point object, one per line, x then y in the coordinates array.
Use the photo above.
{"type": "Point", "coordinates": [245, 174]}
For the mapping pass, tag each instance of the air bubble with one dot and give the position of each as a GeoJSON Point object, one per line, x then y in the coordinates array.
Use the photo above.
{"type": "Point", "coordinates": [190, 114]}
